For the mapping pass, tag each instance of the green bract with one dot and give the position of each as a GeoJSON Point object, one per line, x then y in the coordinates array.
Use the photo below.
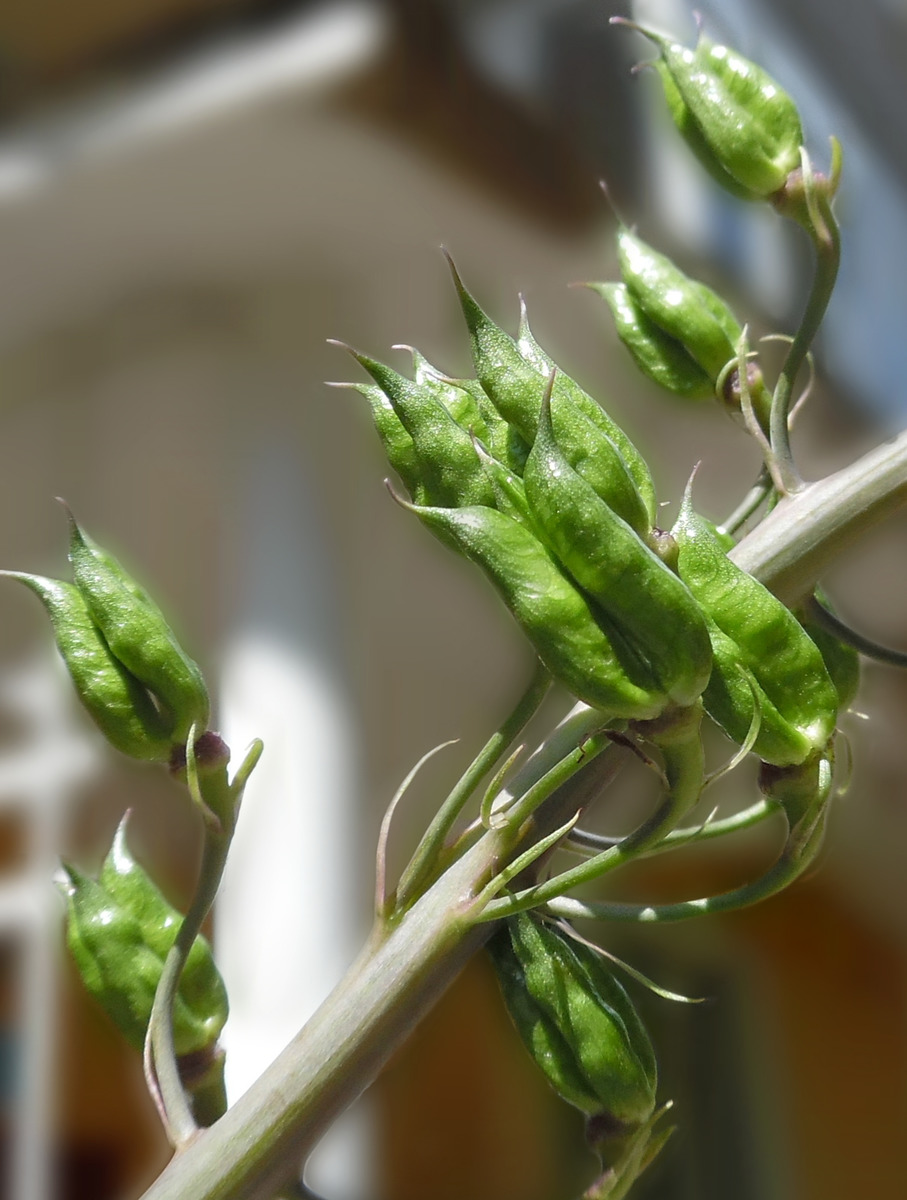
{"type": "Point", "coordinates": [138, 635]}
{"type": "Point", "coordinates": [119, 930]}
{"type": "Point", "coordinates": [576, 1021]}
{"type": "Point", "coordinates": [116, 701]}
{"type": "Point", "coordinates": [639, 596]}
{"type": "Point", "coordinates": [764, 661]}
{"type": "Point", "coordinates": [734, 116]}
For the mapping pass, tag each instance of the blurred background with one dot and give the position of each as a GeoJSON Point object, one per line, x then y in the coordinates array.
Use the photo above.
{"type": "Point", "coordinates": [194, 196]}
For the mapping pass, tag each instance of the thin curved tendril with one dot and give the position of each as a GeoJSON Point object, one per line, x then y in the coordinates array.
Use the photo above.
{"type": "Point", "coordinates": [426, 853]}
{"type": "Point", "coordinates": [844, 633]}
{"type": "Point", "coordinates": [678, 838]}
{"type": "Point", "coordinates": [664, 993]}
{"type": "Point", "coordinates": [381, 897]}
{"type": "Point", "coordinates": [487, 815]}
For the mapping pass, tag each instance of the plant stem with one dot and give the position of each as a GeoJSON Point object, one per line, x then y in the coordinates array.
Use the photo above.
{"type": "Point", "coordinates": [261, 1141]}
{"type": "Point", "coordinates": [799, 539]}
{"type": "Point", "coordinates": [161, 1063]}
{"type": "Point", "coordinates": [827, 242]}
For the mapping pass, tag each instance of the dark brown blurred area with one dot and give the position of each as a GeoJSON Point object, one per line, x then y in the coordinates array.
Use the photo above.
{"type": "Point", "coordinates": [167, 311]}
{"type": "Point", "coordinates": [51, 48]}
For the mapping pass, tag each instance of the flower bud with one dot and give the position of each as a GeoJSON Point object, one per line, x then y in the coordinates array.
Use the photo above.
{"type": "Point", "coordinates": [119, 930]}
{"type": "Point", "coordinates": [577, 1022]}
{"type": "Point", "coordinates": [741, 125]}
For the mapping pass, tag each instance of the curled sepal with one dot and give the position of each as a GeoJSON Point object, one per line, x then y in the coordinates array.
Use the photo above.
{"type": "Point", "coordinates": [116, 701]}
{"type": "Point", "coordinates": [555, 616]}
{"type": "Point", "coordinates": [803, 792]}
{"type": "Point", "coordinates": [577, 1022]}
{"type": "Point", "coordinates": [765, 664]}
{"type": "Point", "coordinates": [138, 635]}
{"type": "Point", "coordinates": [119, 930]}
{"type": "Point", "coordinates": [737, 120]}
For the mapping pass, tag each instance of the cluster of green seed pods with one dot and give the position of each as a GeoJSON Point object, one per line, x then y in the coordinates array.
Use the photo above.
{"type": "Point", "coordinates": [119, 930]}
{"type": "Point", "coordinates": [526, 475]}
{"type": "Point", "coordinates": [521, 472]}
{"type": "Point", "coordinates": [137, 683]}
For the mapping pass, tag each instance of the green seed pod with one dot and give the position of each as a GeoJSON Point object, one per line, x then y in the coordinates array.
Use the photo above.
{"type": "Point", "coordinates": [509, 490]}
{"type": "Point", "coordinates": [138, 635]}
{"type": "Point", "coordinates": [841, 661]}
{"type": "Point", "coordinates": [638, 594]}
{"type": "Point", "coordinates": [576, 1020]}
{"type": "Point", "coordinates": [115, 700]}
{"type": "Point", "coordinates": [457, 398]}
{"type": "Point", "coordinates": [734, 116]}
{"type": "Point", "coordinates": [558, 620]}
{"type": "Point", "coordinates": [119, 931]}
{"type": "Point", "coordinates": [397, 443]}
{"type": "Point", "coordinates": [545, 1042]}
{"type": "Point", "coordinates": [533, 353]}
{"type": "Point", "coordinates": [451, 471]}
{"type": "Point", "coordinates": [515, 387]}
{"type": "Point", "coordinates": [502, 440]}
{"type": "Point", "coordinates": [660, 357]}
{"type": "Point", "coordinates": [686, 310]}
{"type": "Point", "coordinates": [692, 134]}
{"type": "Point", "coordinates": [752, 632]}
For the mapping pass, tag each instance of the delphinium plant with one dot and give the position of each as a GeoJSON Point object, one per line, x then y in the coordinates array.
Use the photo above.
{"type": "Point", "coordinates": [655, 633]}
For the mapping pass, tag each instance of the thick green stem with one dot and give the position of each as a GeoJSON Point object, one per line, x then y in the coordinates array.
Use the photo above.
{"type": "Point", "coordinates": [265, 1136]}
{"type": "Point", "coordinates": [794, 545]}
